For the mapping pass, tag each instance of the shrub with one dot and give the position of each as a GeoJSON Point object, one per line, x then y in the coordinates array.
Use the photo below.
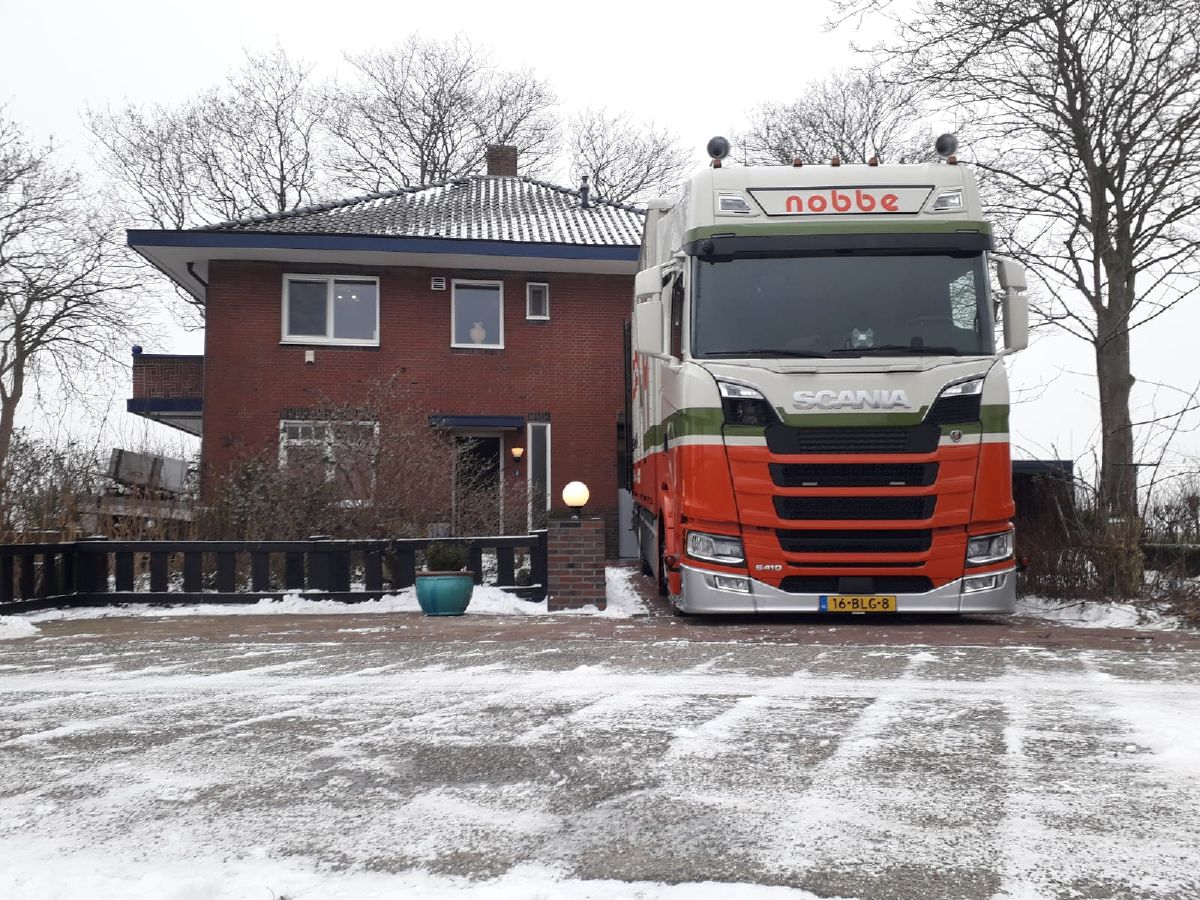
{"type": "Point", "coordinates": [442, 557]}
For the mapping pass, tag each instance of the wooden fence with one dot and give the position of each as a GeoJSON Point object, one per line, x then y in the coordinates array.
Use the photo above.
{"type": "Point", "coordinates": [100, 572]}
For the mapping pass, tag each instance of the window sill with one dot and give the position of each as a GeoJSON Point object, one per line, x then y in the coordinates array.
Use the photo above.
{"type": "Point", "coordinates": [324, 342]}
{"type": "Point", "coordinates": [476, 346]}
{"type": "Point", "coordinates": [537, 318]}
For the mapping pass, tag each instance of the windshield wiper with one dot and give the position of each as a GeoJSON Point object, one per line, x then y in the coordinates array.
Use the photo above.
{"type": "Point", "coordinates": [900, 349]}
{"type": "Point", "coordinates": [765, 352]}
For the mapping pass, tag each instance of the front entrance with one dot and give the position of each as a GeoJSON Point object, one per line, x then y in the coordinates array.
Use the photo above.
{"type": "Point", "coordinates": [478, 484]}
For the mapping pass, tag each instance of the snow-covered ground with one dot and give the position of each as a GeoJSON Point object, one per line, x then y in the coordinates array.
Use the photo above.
{"type": "Point", "coordinates": [198, 770]}
{"type": "Point", "coordinates": [1096, 614]}
{"type": "Point", "coordinates": [622, 601]}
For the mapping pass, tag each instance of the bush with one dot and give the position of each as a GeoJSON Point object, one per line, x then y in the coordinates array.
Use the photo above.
{"type": "Point", "coordinates": [444, 557]}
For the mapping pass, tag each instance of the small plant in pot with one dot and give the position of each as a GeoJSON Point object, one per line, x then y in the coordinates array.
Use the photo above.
{"type": "Point", "coordinates": [444, 586]}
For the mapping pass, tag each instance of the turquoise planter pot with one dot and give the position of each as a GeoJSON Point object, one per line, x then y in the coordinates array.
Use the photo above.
{"type": "Point", "coordinates": [444, 593]}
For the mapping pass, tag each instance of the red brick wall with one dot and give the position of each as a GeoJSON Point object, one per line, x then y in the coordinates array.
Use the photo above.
{"type": "Point", "coordinates": [575, 563]}
{"type": "Point", "coordinates": [161, 375]}
{"type": "Point", "coordinates": [569, 366]}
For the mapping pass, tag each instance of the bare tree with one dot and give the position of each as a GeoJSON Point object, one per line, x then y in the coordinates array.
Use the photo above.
{"type": "Point", "coordinates": [624, 160]}
{"type": "Point", "coordinates": [63, 276]}
{"type": "Point", "coordinates": [259, 137]}
{"type": "Point", "coordinates": [851, 115]}
{"type": "Point", "coordinates": [425, 111]}
{"type": "Point", "coordinates": [249, 147]}
{"type": "Point", "coordinates": [1086, 119]}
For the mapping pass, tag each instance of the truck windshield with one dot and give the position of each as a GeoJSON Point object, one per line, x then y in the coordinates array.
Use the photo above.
{"type": "Point", "coordinates": [852, 304]}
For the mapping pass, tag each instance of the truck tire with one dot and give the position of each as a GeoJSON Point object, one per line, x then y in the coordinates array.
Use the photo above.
{"type": "Point", "coordinates": [664, 589]}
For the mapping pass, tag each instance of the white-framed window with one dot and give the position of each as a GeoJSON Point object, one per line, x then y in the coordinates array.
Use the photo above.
{"type": "Point", "coordinates": [537, 300]}
{"type": "Point", "coordinates": [331, 309]}
{"type": "Point", "coordinates": [537, 440]}
{"type": "Point", "coordinates": [341, 453]}
{"type": "Point", "coordinates": [477, 314]}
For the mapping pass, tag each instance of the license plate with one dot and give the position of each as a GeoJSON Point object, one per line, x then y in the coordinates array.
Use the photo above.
{"type": "Point", "coordinates": [857, 603]}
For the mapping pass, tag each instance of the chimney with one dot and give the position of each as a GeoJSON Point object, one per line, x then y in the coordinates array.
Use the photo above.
{"type": "Point", "coordinates": [583, 192]}
{"type": "Point", "coordinates": [502, 160]}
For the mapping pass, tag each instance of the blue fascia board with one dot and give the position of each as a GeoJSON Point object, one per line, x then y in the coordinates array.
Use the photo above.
{"type": "Point", "coordinates": [259, 240]}
{"type": "Point", "coordinates": [446, 421]}
{"type": "Point", "coordinates": [143, 405]}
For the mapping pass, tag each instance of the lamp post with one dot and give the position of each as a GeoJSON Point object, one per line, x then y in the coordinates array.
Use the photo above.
{"type": "Point", "coordinates": [576, 495]}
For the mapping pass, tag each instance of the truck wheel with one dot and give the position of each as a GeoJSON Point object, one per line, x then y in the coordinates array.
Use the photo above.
{"type": "Point", "coordinates": [664, 589]}
{"type": "Point", "coordinates": [643, 559]}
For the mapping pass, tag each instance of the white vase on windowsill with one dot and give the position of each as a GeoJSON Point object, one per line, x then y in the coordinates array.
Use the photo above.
{"type": "Point", "coordinates": [478, 333]}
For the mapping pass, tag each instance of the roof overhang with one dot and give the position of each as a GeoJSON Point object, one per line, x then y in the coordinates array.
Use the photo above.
{"type": "Point", "coordinates": [184, 413]}
{"type": "Point", "coordinates": [184, 256]}
{"type": "Point", "coordinates": [497, 423]}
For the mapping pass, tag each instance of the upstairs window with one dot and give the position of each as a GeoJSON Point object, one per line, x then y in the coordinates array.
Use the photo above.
{"type": "Point", "coordinates": [477, 315]}
{"type": "Point", "coordinates": [331, 309]}
{"type": "Point", "coordinates": [537, 300]}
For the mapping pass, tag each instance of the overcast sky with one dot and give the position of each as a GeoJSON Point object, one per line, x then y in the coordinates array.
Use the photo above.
{"type": "Point", "coordinates": [695, 67]}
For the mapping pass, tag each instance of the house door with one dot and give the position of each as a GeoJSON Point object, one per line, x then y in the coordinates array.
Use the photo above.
{"type": "Point", "coordinates": [478, 498]}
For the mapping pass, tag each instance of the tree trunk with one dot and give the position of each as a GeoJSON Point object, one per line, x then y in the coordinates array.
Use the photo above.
{"type": "Point", "coordinates": [8, 419]}
{"type": "Point", "coordinates": [8, 415]}
{"type": "Point", "coordinates": [1119, 559]}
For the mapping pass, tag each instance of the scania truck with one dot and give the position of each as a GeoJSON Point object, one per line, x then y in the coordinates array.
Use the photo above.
{"type": "Point", "coordinates": [819, 407]}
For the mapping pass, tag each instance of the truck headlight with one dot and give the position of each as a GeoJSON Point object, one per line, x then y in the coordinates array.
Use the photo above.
{"type": "Point", "coordinates": [745, 405]}
{"type": "Point", "coordinates": [715, 548]}
{"type": "Point", "coordinates": [989, 548]}
{"type": "Point", "coordinates": [968, 387]}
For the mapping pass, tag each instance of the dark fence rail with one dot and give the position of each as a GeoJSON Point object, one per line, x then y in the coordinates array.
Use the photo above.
{"type": "Point", "coordinates": [99, 572]}
{"type": "Point", "coordinates": [1182, 559]}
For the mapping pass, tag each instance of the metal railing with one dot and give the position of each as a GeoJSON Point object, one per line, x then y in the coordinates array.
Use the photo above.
{"type": "Point", "coordinates": [100, 572]}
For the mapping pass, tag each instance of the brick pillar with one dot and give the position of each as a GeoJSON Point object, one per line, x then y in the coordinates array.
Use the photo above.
{"type": "Point", "coordinates": [575, 569]}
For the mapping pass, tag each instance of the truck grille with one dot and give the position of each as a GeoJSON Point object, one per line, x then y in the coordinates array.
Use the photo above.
{"type": "Point", "coordinates": [853, 541]}
{"type": "Point", "coordinates": [837, 584]}
{"type": "Point", "coordinates": [854, 507]}
{"type": "Point", "coordinates": [853, 474]}
{"type": "Point", "coordinates": [784, 439]}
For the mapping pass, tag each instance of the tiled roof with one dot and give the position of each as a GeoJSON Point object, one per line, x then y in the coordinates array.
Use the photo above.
{"type": "Point", "coordinates": [478, 207]}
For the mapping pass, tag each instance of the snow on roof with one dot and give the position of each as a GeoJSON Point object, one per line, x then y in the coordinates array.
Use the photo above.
{"type": "Point", "coordinates": [477, 207]}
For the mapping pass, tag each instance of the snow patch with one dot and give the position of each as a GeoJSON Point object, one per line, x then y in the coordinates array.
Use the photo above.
{"type": "Point", "coordinates": [1094, 614]}
{"type": "Point", "coordinates": [104, 879]}
{"type": "Point", "coordinates": [622, 598]}
{"type": "Point", "coordinates": [12, 627]}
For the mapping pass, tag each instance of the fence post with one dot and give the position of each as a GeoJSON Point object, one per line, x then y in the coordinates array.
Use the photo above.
{"type": "Point", "coordinates": [319, 563]}
{"type": "Point", "coordinates": [537, 561]}
{"type": "Point", "coordinates": [7, 574]}
{"type": "Point", "coordinates": [475, 561]}
{"type": "Point", "coordinates": [91, 569]}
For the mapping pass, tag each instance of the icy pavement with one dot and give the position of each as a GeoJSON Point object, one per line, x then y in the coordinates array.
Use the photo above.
{"type": "Point", "coordinates": [592, 768]}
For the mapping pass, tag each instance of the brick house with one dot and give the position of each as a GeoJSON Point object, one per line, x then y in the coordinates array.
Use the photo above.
{"type": "Point", "coordinates": [498, 300]}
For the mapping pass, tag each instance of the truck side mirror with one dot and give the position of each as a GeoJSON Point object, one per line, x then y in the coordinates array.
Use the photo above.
{"type": "Point", "coordinates": [1011, 275]}
{"type": "Point", "coordinates": [648, 282]}
{"type": "Point", "coordinates": [648, 326]}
